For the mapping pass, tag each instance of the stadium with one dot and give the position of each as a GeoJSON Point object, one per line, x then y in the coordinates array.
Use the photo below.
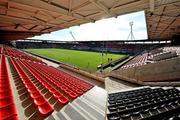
{"type": "Point", "coordinates": [86, 79]}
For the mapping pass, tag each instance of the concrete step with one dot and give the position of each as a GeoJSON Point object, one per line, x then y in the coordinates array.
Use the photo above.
{"type": "Point", "coordinates": [98, 104]}
{"type": "Point", "coordinates": [97, 95]}
{"type": "Point", "coordinates": [61, 116]}
{"type": "Point", "coordinates": [93, 105]}
{"type": "Point", "coordinates": [83, 111]}
{"type": "Point", "coordinates": [73, 113]}
{"type": "Point", "coordinates": [93, 110]}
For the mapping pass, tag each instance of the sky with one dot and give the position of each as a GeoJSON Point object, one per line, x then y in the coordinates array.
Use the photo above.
{"type": "Point", "coordinates": [104, 29]}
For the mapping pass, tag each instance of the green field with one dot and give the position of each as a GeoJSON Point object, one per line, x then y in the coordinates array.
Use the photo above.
{"type": "Point", "coordinates": [82, 59]}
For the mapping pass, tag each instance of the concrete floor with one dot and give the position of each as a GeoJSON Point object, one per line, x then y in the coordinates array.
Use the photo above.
{"type": "Point", "coordinates": [113, 85]}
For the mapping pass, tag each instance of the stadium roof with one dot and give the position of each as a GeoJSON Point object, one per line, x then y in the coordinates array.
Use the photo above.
{"type": "Point", "coordinates": [20, 19]}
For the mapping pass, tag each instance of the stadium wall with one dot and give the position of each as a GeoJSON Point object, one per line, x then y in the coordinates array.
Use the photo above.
{"type": "Point", "coordinates": [100, 46]}
{"type": "Point", "coordinates": [162, 71]}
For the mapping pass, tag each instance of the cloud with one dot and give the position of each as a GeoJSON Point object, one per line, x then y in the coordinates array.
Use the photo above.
{"type": "Point", "coordinates": [105, 29]}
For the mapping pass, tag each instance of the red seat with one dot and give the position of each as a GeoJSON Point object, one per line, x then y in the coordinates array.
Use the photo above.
{"type": "Point", "coordinates": [7, 112]}
{"type": "Point", "coordinates": [31, 86]}
{"type": "Point", "coordinates": [35, 94]}
{"type": "Point", "coordinates": [59, 85]}
{"type": "Point", "coordinates": [52, 90]}
{"type": "Point", "coordinates": [28, 84]}
{"type": "Point", "coordinates": [42, 105]}
{"type": "Point", "coordinates": [4, 89]}
{"type": "Point", "coordinates": [52, 78]}
{"type": "Point", "coordinates": [71, 93]}
{"type": "Point", "coordinates": [14, 117]}
{"type": "Point", "coordinates": [57, 94]}
{"type": "Point", "coordinates": [4, 85]}
{"type": "Point", "coordinates": [32, 90]}
{"type": "Point", "coordinates": [79, 91]}
{"type": "Point", "coordinates": [5, 94]}
{"type": "Point", "coordinates": [63, 88]}
{"type": "Point", "coordinates": [4, 80]}
{"type": "Point", "coordinates": [39, 100]}
{"type": "Point", "coordinates": [63, 100]}
{"type": "Point", "coordinates": [45, 109]}
{"type": "Point", "coordinates": [84, 89]}
{"type": "Point", "coordinates": [47, 85]}
{"type": "Point", "coordinates": [6, 101]}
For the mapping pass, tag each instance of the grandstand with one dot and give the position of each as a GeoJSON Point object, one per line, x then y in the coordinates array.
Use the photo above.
{"type": "Point", "coordinates": [142, 85]}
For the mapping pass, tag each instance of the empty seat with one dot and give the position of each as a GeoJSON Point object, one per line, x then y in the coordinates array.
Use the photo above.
{"type": "Point", "coordinates": [7, 112]}
{"type": "Point", "coordinates": [150, 103]}
{"type": "Point", "coordinates": [63, 100]}
{"type": "Point", "coordinates": [43, 106]}
{"type": "Point", "coordinates": [45, 109]}
{"type": "Point", "coordinates": [7, 106]}
{"type": "Point", "coordinates": [32, 75]}
{"type": "Point", "coordinates": [65, 86]}
{"type": "Point", "coordinates": [6, 101]}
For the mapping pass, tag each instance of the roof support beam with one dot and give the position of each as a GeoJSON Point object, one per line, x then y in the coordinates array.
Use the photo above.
{"type": "Point", "coordinates": [24, 27]}
{"type": "Point", "coordinates": [102, 7]}
{"type": "Point", "coordinates": [39, 19]}
{"type": "Point", "coordinates": [160, 17]}
{"type": "Point", "coordinates": [133, 6]}
{"type": "Point", "coordinates": [8, 6]}
{"type": "Point", "coordinates": [170, 24]}
{"type": "Point", "coordinates": [33, 27]}
{"type": "Point", "coordinates": [45, 29]}
{"type": "Point", "coordinates": [151, 5]}
{"type": "Point", "coordinates": [16, 26]}
{"type": "Point", "coordinates": [45, 6]}
{"type": "Point", "coordinates": [82, 17]}
{"type": "Point", "coordinates": [81, 6]}
{"type": "Point", "coordinates": [18, 20]}
{"type": "Point", "coordinates": [70, 6]}
{"type": "Point", "coordinates": [49, 1]}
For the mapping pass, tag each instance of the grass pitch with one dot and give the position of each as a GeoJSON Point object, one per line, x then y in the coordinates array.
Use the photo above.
{"type": "Point", "coordinates": [82, 59]}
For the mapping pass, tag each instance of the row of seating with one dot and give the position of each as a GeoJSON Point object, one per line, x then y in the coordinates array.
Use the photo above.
{"type": "Point", "coordinates": [153, 56]}
{"type": "Point", "coordinates": [43, 86]}
{"type": "Point", "coordinates": [156, 51]}
{"type": "Point", "coordinates": [144, 104]}
{"type": "Point", "coordinates": [52, 71]}
{"type": "Point", "coordinates": [7, 104]}
{"type": "Point", "coordinates": [48, 85]}
{"type": "Point", "coordinates": [162, 56]}
{"type": "Point", "coordinates": [172, 48]}
{"type": "Point", "coordinates": [164, 53]}
{"type": "Point", "coordinates": [137, 61]}
{"type": "Point", "coordinates": [19, 54]}
{"type": "Point", "coordinates": [44, 108]}
{"type": "Point", "coordinates": [54, 75]}
{"type": "Point", "coordinates": [35, 86]}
